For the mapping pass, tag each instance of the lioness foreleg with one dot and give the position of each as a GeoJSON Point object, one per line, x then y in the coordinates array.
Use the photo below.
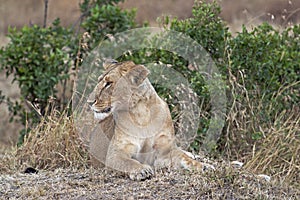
{"type": "Point", "coordinates": [121, 159]}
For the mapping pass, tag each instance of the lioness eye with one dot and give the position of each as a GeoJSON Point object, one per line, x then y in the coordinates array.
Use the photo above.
{"type": "Point", "coordinates": [108, 84]}
{"type": "Point", "coordinates": [91, 102]}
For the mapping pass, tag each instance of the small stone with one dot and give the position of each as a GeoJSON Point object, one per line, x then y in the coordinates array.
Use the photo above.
{"type": "Point", "coordinates": [30, 170]}
{"type": "Point", "coordinates": [237, 164]}
{"type": "Point", "coordinates": [265, 177]}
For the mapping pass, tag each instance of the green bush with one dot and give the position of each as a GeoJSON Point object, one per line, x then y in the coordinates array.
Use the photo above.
{"type": "Point", "coordinates": [260, 66]}
{"type": "Point", "coordinates": [269, 60]}
{"type": "Point", "coordinates": [264, 76]}
{"type": "Point", "coordinates": [205, 27]}
{"type": "Point", "coordinates": [105, 17]}
{"type": "Point", "coordinates": [41, 58]}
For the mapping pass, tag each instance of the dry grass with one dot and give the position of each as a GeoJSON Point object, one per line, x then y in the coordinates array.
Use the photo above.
{"type": "Point", "coordinates": [279, 154]}
{"type": "Point", "coordinates": [52, 144]}
{"type": "Point", "coordinates": [276, 150]}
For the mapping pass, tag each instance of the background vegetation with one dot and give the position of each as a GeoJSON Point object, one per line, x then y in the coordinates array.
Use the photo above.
{"type": "Point", "coordinates": [260, 66]}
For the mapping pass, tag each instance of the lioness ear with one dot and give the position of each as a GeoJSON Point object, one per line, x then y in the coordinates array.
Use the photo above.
{"type": "Point", "coordinates": [108, 63]}
{"type": "Point", "coordinates": [125, 67]}
{"type": "Point", "coordinates": [138, 74]}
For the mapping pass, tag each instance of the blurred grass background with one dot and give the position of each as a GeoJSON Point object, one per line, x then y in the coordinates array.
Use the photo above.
{"type": "Point", "coordinates": [280, 12]}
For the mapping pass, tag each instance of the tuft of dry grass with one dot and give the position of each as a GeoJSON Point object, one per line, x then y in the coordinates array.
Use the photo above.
{"type": "Point", "coordinates": [53, 144]}
{"type": "Point", "coordinates": [270, 146]}
{"type": "Point", "coordinates": [279, 154]}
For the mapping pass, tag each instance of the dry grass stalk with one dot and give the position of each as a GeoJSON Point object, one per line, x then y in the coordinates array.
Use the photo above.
{"type": "Point", "coordinates": [242, 119]}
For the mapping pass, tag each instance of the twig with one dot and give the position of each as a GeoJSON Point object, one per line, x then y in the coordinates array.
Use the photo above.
{"type": "Point", "coordinates": [45, 13]}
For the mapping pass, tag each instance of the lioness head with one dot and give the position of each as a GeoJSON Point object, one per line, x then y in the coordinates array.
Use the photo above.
{"type": "Point", "coordinates": [102, 99]}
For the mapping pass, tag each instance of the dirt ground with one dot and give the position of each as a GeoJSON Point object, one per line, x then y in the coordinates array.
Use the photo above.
{"type": "Point", "coordinates": [225, 183]}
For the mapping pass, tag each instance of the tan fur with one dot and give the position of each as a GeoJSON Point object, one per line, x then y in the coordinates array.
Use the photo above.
{"type": "Point", "coordinates": [136, 122]}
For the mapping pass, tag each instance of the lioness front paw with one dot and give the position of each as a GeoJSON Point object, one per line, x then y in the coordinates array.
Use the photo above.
{"type": "Point", "coordinates": [142, 173]}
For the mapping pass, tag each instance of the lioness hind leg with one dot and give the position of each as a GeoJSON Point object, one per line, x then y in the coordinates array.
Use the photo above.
{"type": "Point", "coordinates": [178, 158]}
{"type": "Point", "coordinates": [188, 163]}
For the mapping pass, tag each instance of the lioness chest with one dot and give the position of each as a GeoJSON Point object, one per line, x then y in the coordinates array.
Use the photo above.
{"type": "Point", "coordinates": [141, 149]}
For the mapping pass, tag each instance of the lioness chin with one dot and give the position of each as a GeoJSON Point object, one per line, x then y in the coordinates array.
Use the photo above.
{"type": "Point", "coordinates": [137, 123]}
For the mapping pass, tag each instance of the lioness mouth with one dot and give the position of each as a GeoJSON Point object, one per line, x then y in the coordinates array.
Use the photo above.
{"type": "Point", "coordinates": [105, 110]}
{"type": "Point", "coordinates": [101, 115]}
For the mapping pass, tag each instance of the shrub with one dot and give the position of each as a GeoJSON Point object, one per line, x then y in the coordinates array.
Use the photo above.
{"type": "Point", "coordinates": [105, 17]}
{"type": "Point", "coordinates": [264, 77]}
{"type": "Point", "coordinates": [39, 59]}
{"type": "Point", "coordinates": [260, 66]}
{"type": "Point", "coordinates": [269, 59]}
{"type": "Point", "coordinates": [205, 27]}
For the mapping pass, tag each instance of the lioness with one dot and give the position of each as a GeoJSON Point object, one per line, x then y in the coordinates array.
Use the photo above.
{"type": "Point", "coordinates": [137, 123]}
